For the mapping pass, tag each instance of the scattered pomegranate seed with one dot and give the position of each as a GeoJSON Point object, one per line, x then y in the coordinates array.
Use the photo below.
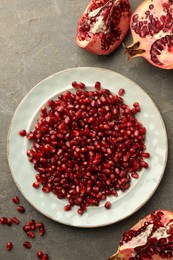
{"type": "Point", "coordinates": [41, 231]}
{"type": "Point", "coordinates": [22, 132]}
{"type": "Point", "coordinates": [20, 209]}
{"type": "Point", "coordinates": [45, 257]}
{"type": "Point", "coordinates": [26, 228]}
{"type": "Point", "coordinates": [75, 84]}
{"type": "Point", "coordinates": [121, 91]}
{"type": "Point", "coordinates": [67, 207]}
{"type": "Point", "coordinates": [86, 146]}
{"type": "Point", "coordinates": [31, 222]}
{"type": "Point", "coordinates": [36, 184]}
{"type": "Point", "coordinates": [3, 220]}
{"type": "Point", "coordinates": [16, 200]}
{"type": "Point", "coordinates": [39, 225]}
{"type": "Point", "coordinates": [9, 245]}
{"type": "Point", "coordinates": [108, 205]}
{"type": "Point", "coordinates": [39, 254]}
{"type": "Point", "coordinates": [30, 234]}
{"type": "Point", "coordinates": [27, 244]}
{"type": "Point", "coordinates": [9, 221]}
{"type": "Point", "coordinates": [81, 85]}
{"type": "Point", "coordinates": [16, 220]}
{"type": "Point", "coordinates": [97, 85]}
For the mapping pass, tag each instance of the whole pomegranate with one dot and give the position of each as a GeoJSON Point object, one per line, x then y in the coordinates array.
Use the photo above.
{"type": "Point", "coordinates": [151, 26]}
{"type": "Point", "coordinates": [150, 238]}
{"type": "Point", "coordinates": [103, 25]}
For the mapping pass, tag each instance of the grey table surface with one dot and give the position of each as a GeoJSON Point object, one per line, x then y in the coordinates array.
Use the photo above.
{"type": "Point", "coordinates": [37, 40]}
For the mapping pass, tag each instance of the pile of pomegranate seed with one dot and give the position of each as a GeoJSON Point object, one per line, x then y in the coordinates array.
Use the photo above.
{"type": "Point", "coordinates": [87, 146]}
{"type": "Point", "coordinates": [29, 228]}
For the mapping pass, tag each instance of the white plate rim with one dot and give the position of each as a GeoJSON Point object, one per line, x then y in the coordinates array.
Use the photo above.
{"type": "Point", "coordinates": [86, 223]}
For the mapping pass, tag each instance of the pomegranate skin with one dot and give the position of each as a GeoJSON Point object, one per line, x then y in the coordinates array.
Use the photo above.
{"type": "Point", "coordinates": [103, 26]}
{"type": "Point", "coordinates": [151, 28]}
{"type": "Point", "coordinates": [150, 238]}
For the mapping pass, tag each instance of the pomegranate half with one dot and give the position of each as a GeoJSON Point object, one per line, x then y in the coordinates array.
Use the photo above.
{"type": "Point", "coordinates": [151, 26]}
{"type": "Point", "coordinates": [150, 238]}
{"type": "Point", "coordinates": [103, 25]}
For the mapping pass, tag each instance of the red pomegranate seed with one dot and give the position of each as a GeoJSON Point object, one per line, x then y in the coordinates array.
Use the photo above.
{"type": "Point", "coordinates": [20, 209]}
{"type": "Point", "coordinates": [97, 85]}
{"type": "Point", "coordinates": [39, 225]}
{"type": "Point", "coordinates": [108, 205]}
{"type": "Point", "coordinates": [41, 231]}
{"type": "Point", "coordinates": [121, 91]}
{"type": "Point", "coordinates": [67, 207]}
{"type": "Point", "coordinates": [22, 132]}
{"type": "Point", "coordinates": [16, 200]}
{"type": "Point", "coordinates": [26, 228]}
{"type": "Point", "coordinates": [45, 257]}
{"type": "Point", "coordinates": [3, 220]}
{"type": "Point", "coordinates": [9, 245]}
{"type": "Point", "coordinates": [81, 85]}
{"type": "Point", "coordinates": [135, 175]}
{"type": "Point", "coordinates": [36, 185]}
{"type": "Point", "coordinates": [30, 234]}
{"type": "Point", "coordinates": [39, 254]}
{"type": "Point", "coordinates": [9, 221]}
{"type": "Point", "coordinates": [78, 142]}
{"type": "Point", "coordinates": [16, 220]}
{"type": "Point", "coordinates": [75, 84]}
{"type": "Point", "coordinates": [31, 222]}
{"type": "Point", "coordinates": [27, 244]}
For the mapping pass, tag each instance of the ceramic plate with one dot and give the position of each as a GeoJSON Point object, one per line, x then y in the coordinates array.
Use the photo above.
{"type": "Point", "coordinates": [126, 203]}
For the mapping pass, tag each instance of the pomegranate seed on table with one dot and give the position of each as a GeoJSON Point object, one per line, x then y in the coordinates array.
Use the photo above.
{"type": "Point", "coordinates": [9, 246]}
{"type": "Point", "coordinates": [30, 234]}
{"type": "Point", "coordinates": [41, 231]}
{"type": "Point", "coordinates": [39, 254]}
{"type": "Point", "coordinates": [45, 257]}
{"type": "Point", "coordinates": [87, 146]}
{"type": "Point", "coordinates": [9, 221]}
{"type": "Point", "coordinates": [16, 220]}
{"type": "Point", "coordinates": [27, 245]}
{"type": "Point", "coordinates": [16, 200]}
{"type": "Point", "coordinates": [20, 209]}
{"type": "Point", "coordinates": [26, 228]}
{"type": "Point", "coordinates": [39, 225]}
{"type": "Point", "coordinates": [3, 220]}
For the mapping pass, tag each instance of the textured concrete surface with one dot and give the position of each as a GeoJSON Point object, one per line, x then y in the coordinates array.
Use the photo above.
{"type": "Point", "coordinates": [37, 40]}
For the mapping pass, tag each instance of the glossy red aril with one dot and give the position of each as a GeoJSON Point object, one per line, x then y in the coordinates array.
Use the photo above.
{"type": "Point", "coordinates": [103, 25]}
{"type": "Point", "coordinates": [9, 246]}
{"type": "Point", "coordinates": [27, 245]}
{"type": "Point", "coordinates": [150, 238]}
{"type": "Point", "coordinates": [16, 200]}
{"type": "Point", "coordinates": [20, 209]}
{"type": "Point", "coordinates": [151, 27]}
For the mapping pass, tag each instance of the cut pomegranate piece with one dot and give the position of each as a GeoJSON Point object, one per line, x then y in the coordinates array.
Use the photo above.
{"type": "Point", "coordinates": [103, 25]}
{"type": "Point", "coordinates": [151, 27]}
{"type": "Point", "coordinates": [150, 238]}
